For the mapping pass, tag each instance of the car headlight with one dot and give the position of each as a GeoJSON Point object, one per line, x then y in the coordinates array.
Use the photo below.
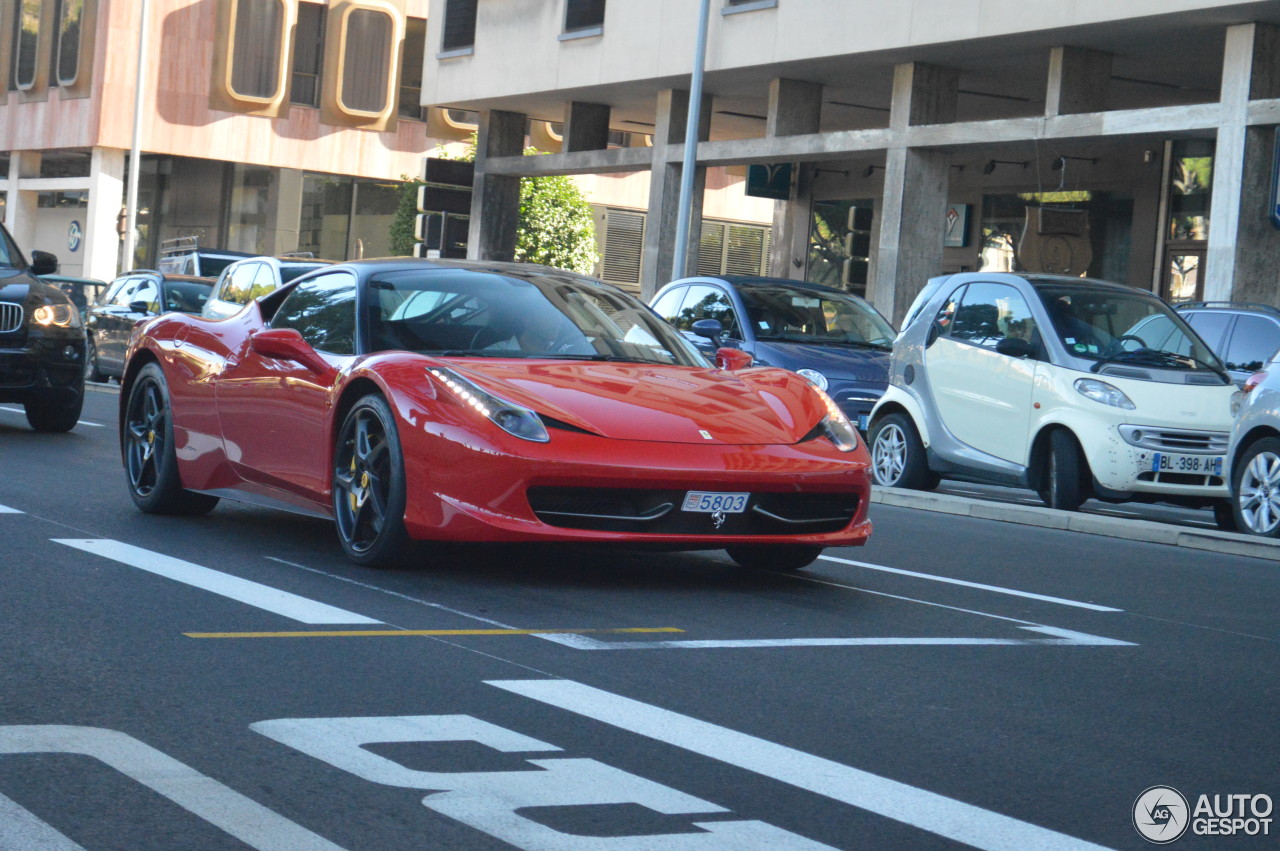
{"type": "Point", "coordinates": [61, 315]}
{"type": "Point", "coordinates": [836, 425]}
{"type": "Point", "coordinates": [1101, 391]}
{"type": "Point", "coordinates": [508, 416]}
{"type": "Point", "coordinates": [817, 379]}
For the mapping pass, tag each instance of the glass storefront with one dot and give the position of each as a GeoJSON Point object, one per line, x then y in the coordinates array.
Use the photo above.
{"type": "Point", "coordinates": [1189, 191]}
{"type": "Point", "coordinates": [840, 244]}
{"type": "Point", "coordinates": [1074, 233]}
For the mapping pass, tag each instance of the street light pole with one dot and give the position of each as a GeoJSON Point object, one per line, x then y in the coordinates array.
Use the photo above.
{"type": "Point", "coordinates": [679, 263]}
{"type": "Point", "coordinates": [135, 153]}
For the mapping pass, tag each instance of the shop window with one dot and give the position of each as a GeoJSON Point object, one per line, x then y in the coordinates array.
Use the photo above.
{"type": "Point", "coordinates": [623, 247]}
{"type": "Point", "coordinates": [308, 55]}
{"type": "Point", "coordinates": [26, 43]}
{"type": "Point", "coordinates": [412, 57]}
{"type": "Point", "coordinates": [583, 15]}
{"type": "Point", "coordinates": [840, 244]}
{"type": "Point", "coordinates": [726, 248]}
{"type": "Point", "coordinates": [1190, 188]}
{"type": "Point", "coordinates": [459, 24]}
{"type": "Point", "coordinates": [70, 18]}
{"type": "Point", "coordinates": [255, 49]}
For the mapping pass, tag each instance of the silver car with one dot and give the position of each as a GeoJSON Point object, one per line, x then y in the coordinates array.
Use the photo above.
{"type": "Point", "coordinates": [1253, 455]}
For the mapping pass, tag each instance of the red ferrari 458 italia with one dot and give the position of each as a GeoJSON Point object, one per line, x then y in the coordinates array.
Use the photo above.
{"type": "Point", "coordinates": [454, 401]}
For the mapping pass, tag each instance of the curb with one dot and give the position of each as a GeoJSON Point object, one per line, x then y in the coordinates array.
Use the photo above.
{"type": "Point", "coordinates": [1147, 531]}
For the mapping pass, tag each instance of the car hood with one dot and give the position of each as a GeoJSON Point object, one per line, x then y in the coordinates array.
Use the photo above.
{"type": "Point", "coordinates": [835, 362]}
{"type": "Point", "coordinates": [671, 404]}
{"type": "Point", "coordinates": [15, 285]}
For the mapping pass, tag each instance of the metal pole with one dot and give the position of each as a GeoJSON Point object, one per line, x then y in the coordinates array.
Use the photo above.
{"type": "Point", "coordinates": [135, 154]}
{"type": "Point", "coordinates": [679, 263]}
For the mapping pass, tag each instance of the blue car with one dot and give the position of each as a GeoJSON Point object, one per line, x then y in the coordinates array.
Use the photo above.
{"type": "Point", "coordinates": [836, 340]}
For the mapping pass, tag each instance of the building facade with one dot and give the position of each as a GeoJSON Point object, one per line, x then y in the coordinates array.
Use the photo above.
{"type": "Point", "coordinates": [1133, 140]}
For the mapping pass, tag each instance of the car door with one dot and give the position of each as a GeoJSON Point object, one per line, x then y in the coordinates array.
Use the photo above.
{"type": "Point", "coordinates": [982, 394]}
{"type": "Point", "coordinates": [274, 412]}
{"type": "Point", "coordinates": [116, 322]}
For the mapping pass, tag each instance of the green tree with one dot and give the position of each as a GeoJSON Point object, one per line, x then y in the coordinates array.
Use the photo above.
{"type": "Point", "coordinates": [556, 227]}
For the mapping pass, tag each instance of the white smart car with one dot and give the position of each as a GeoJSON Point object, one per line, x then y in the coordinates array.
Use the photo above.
{"type": "Point", "coordinates": [1049, 383]}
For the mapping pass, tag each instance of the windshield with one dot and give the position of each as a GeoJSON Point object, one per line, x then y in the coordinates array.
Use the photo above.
{"type": "Point", "coordinates": [1137, 328]}
{"type": "Point", "coordinates": [790, 314]}
{"type": "Point", "coordinates": [482, 314]}
{"type": "Point", "coordinates": [9, 255]}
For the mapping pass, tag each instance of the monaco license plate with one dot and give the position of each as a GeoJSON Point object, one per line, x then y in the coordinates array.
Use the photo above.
{"type": "Point", "coordinates": [1166, 462]}
{"type": "Point", "coordinates": [708, 502]}
{"type": "Point", "coordinates": [863, 419]}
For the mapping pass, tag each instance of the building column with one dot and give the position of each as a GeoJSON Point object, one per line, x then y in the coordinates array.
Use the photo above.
{"type": "Point", "coordinates": [106, 199]}
{"type": "Point", "coordinates": [795, 108]}
{"type": "Point", "coordinates": [912, 223]}
{"type": "Point", "coordinates": [1242, 244]}
{"type": "Point", "coordinates": [1079, 81]}
{"type": "Point", "coordinates": [284, 206]}
{"type": "Point", "coordinates": [20, 205]}
{"type": "Point", "coordinates": [495, 199]}
{"type": "Point", "coordinates": [664, 193]}
{"type": "Point", "coordinates": [586, 127]}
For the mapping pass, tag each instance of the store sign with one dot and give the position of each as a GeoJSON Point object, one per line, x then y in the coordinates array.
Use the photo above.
{"type": "Point", "coordinates": [74, 236]}
{"type": "Point", "coordinates": [769, 180]}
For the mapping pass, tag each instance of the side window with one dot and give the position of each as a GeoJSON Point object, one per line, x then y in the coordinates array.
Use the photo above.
{"type": "Point", "coordinates": [1253, 342]}
{"type": "Point", "coordinates": [988, 313]}
{"type": "Point", "coordinates": [264, 281]}
{"type": "Point", "coordinates": [668, 307]}
{"type": "Point", "coordinates": [109, 294]}
{"type": "Point", "coordinates": [703, 302]}
{"type": "Point", "coordinates": [124, 296]}
{"type": "Point", "coordinates": [1210, 326]}
{"type": "Point", "coordinates": [323, 311]}
{"type": "Point", "coordinates": [150, 293]}
{"type": "Point", "coordinates": [947, 313]}
{"type": "Point", "coordinates": [240, 282]}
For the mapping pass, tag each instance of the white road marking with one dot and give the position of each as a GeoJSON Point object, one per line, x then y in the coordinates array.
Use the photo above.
{"type": "Point", "coordinates": [233, 587]}
{"type": "Point", "coordinates": [221, 806]}
{"type": "Point", "coordinates": [996, 588]}
{"type": "Point", "coordinates": [4, 509]}
{"type": "Point", "coordinates": [893, 799]}
{"type": "Point", "coordinates": [21, 829]}
{"type": "Point", "coordinates": [78, 422]}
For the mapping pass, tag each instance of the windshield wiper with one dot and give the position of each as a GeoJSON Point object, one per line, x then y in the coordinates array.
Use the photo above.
{"type": "Point", "coordinates": [1159, 357]}
{"type": "Point", "coordinates": [600, 358]}
{"type": "Point", "coordinates": [821, 341]}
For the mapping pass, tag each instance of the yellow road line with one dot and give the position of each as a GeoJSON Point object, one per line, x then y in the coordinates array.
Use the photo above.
{"type": "Point", "coordinates": [366, 633]}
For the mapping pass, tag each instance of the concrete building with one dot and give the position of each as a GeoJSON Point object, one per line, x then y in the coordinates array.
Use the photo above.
{"type": "Point", "coordinates": [266, 126]}
{"type": "Point", "coordinates": [1128, 139]}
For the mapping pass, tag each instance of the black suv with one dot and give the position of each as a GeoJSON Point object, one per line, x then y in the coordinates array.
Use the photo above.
{"type": "Point", "coordinates": [41, 341]}
{"type": "Point", "coordinates": [1244, 335]}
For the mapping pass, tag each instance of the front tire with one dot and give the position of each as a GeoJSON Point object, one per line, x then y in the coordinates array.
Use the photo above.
{"type": "Point", "coordinates": [95, 372]}
{"type": "Point", "coordinates": [50, 415]}
{"type": "Point", "coordinates": [369, 486]}
{"type": "Point", "coordinates": [897, 455]}
{"type": "Point", "coordinates": [784, 558]}
{"type": "Point", "coordinates": [1062, 480]}
{"type": "Point", "coordinates": [1255, 489]}
{"type": "Point", "coordinates": [146, 443]}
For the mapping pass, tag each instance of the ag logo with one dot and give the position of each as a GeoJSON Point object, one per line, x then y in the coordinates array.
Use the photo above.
{"type": "Point", "coordinates": [1161, 814]}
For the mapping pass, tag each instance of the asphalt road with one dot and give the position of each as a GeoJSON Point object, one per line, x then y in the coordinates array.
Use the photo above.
{"type": "Point", "coordinates": [232, 682]}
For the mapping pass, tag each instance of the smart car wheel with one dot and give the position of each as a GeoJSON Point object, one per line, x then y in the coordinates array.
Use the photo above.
{"type": "Point", "coordinates": [1256, 489]}
{"type": "Point", "coordinates": [781, 557]}
{"type": "Point", "coordinates": [897, 455]}
{"type": "Point", "coordinates": [93, 371]}
{"type": "Point", "coordinates": [54, 414]}
{"type": "Point", "coordinates": [146, 442]}
{"type": "Point", "coordinates": [1062, 481]}
{"type": "Point", "coordinates": [368, 485]}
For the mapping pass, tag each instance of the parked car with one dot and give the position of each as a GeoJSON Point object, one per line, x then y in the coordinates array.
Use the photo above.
{"type": "Point", "coordinates": [254, 277]}
{"type": "Point", "coordinates": [1056, 384]}
{"type": "Point", "coordinates": [41, 341]}
{"type": "Point", "coordinates": [836, 340]}
{"type": "Point", "coordinates": [183, 255]}
{"type": "Point", "coordinates": [1253, 456]}
{"type": "Point", "coordinates": [451, 401]}
{"type": "Point", "coordinates": [82, 291]}
{"type": "Point", "coordinates": [1243, 334]}
{"type": "Point", "coordinates": [131, 298]}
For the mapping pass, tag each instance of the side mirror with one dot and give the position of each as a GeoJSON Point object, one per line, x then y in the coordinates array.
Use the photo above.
{"type": "Point", "coordinates": [43, 263]}
{"type": "Point", "coordinates": [709, 328]}
{"type": "Point", "coordinates": [287, 344]}
{"type": "Point", "coordinates": [139, 307]}
{"type": "Point", "coordinates": [1015, 347]}
{"type": "Point", "coordinates": [935, 331]}
{"type": "Point", "coordinates": [732, 359]}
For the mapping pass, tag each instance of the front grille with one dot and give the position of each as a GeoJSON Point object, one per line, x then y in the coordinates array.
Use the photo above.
{"type": "Point", "coordinates": [1168, 478]}
{"type": "Point", "coordinates": [1176, 439]}
{"type": "Point", "coordinates": [10, 317]}
{"type": "Point", "coordinates": [657, 512]}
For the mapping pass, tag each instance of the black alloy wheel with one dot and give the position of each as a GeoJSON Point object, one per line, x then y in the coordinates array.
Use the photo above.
{"type": "Point", "coordinates": [93, 372]}
{"type": "Point", "coordinates": [1062, 480]}
{"type": "Point", "coordinates": [368, 485]}
{"type": "Point", "coordinates": [783, 558]}
{"type": "Point", "coordinates": [146, 443]}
